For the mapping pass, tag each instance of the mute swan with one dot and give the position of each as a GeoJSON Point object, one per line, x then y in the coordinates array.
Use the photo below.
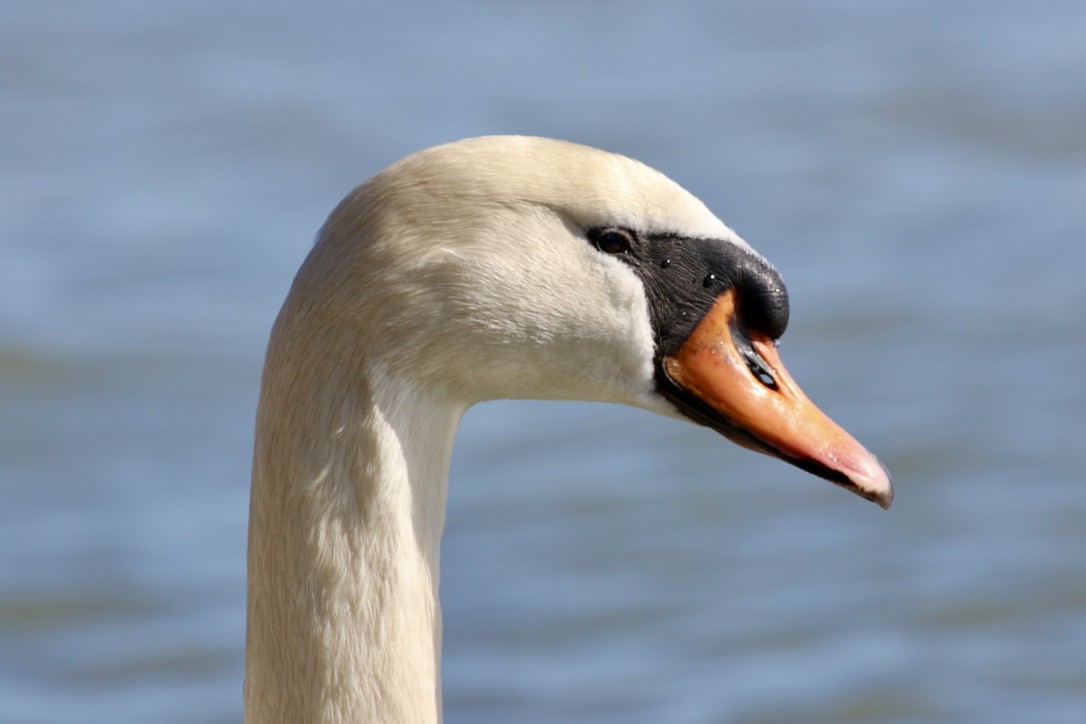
{"type": "Point", "coordinates": [498, 267]}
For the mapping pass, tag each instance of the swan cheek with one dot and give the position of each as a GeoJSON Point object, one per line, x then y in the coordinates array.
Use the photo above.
{"type": "Point", "coordinates": [634, 345]}
{"type": "Point", "coordinates": [734, 381]}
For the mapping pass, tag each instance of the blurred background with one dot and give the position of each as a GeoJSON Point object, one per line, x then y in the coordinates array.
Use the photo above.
{"type": "Point", "coordinates": [916, 170]}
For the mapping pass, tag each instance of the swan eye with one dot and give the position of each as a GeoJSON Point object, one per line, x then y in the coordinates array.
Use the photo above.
{"type": "Point", "coordinates": [612, 241]}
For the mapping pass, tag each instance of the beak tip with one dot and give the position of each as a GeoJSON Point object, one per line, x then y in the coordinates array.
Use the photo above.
{"type": "Point", "coordinates": [876, 485]}
{"type": "Point", "coordinates": [886, 500]}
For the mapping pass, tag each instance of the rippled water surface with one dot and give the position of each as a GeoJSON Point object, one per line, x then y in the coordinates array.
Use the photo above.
{"type": "Point", "coordinates": [916, 170]}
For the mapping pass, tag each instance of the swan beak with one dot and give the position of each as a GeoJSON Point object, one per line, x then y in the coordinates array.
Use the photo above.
{"type": "Point", "coordinates": [733, 381]}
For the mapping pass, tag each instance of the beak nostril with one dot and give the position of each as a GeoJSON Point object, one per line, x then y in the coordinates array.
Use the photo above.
{"type": "Point", "coordinates": [760, 370]}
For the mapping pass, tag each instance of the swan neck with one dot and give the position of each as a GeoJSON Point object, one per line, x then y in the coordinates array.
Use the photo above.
{"type": "Point", "coordinates": [347, 512]}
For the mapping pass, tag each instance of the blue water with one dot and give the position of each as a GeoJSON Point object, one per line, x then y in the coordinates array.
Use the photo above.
{"type": "Point", "coordinates": [917, 171]}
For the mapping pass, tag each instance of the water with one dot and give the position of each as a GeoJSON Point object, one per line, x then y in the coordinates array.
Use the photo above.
{"type": "Point", "coordinates": [916, 170]}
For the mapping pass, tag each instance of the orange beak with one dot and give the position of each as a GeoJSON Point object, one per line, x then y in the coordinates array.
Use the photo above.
{"type": "Point", "coordinates": [741, 389]}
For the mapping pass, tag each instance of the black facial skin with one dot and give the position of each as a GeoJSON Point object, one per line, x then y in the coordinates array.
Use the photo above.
{"type": "Point", "coordinates": [683, 276]}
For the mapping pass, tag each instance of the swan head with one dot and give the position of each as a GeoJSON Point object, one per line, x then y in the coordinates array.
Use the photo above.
{"type": "Point", "coordinates": [518, 267]}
